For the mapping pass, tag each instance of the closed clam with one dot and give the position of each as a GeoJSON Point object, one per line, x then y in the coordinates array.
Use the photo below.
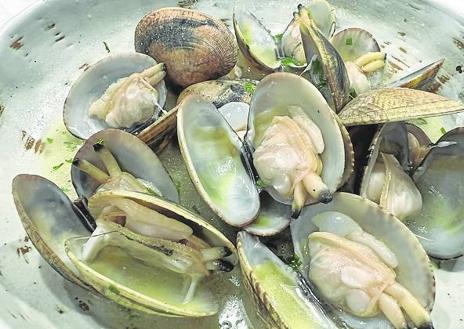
{"type": "Point", "coordinates": [195, 47]}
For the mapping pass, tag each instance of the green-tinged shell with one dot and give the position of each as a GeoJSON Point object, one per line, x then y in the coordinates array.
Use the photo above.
{"type": "Point", "coordinates": [274, 288]}
{"type": "Point", "coordinates": [327, 68]}
{"type": "Point", "coordinates": [132, 155]}
{"type": "Point", "coordinates": [271, 99]}
{"type": "Point", "coordinates": [221, 92]}
{"type": "Point", "coordinates": [50, 218]}
{"type": "Point", "coordinates": [255, 41]}
{"type": "Point", "coordinates": [213, 154]}
{"type": "Point", "coordinates": [414, 270]}
{"type": "Point", "coordinates": [195, 47]}
{"type": "Point", "coordinates": [420, 78]}
{"type": "Point", "coordinates": [439, 226]}
{"type": "Point", "coordinates": [353, 42]}
{"type": "Point", "coordinates": [273, 217]}
{"type": "Point", "coordinates": [396, 104]}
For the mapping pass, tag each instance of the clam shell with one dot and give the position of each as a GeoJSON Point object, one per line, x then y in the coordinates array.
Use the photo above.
{"type": "Point", "coordinates": [353, 42]}
{"type": "Point", "coordinates": [194, 46]}
{"type": "Point", "coordinates": [333, 67]}
{"type": "Point", "coordinates": [92, 84]}
{"type": "Point", "coordinates": [252, 254]}
{"type": "Point", "coordinates": [272, 93]}
{"type": "Point", "coordinates": [220, 92]}
{"type": "Point", "coordinates": [255, 41]}
{"type": "Point", "coordinates": [414, 271]}
{"type": "Point", "coordinates": [396, 104]}
{"type": "Point", "coordinates": [212, 153]}
{"type": "Point", "coordinates": [439, 178]}
{"type": "Point", "coordinates": [132, 155]}
{"type": "Point", "coordinates": [49, 218]}
{"type": "Point", "coordinates": [420, 78]}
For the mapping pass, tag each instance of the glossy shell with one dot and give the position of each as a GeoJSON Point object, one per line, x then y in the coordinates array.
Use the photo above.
{"type": "Point", "coordinates": [274, 311]}
{"type": "Point", "coordinates": [413, 272]}
{"type": "Point", "coordinates": [420, 78]}
{"type": "Point", "coordinates": [396, 104]}
{"type": "Point", "coordinates": [255, 41]}
{"type": "Point", "coordinates": [220, 92]}
{"type": "Point", "coordinates": [92, 84]}
{"type": "Point", "coordinates": [439, 225]}
{"type": "Point", "coordinates": [50, 218]}
{"type": "Point", "coordinates": [132, 155]}
{"type": "Point", "coordinates": [272, 95]}
{"type": "Point", "coordinates": [194, 46]}
{"type": "Point", "coordinates": [353, 42]}
{"type": "Point", "coordinates": [212, 153]}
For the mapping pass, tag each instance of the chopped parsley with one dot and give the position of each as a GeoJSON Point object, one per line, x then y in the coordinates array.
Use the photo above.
{"type": "Point", "coordinates": [260, 183]}
{"type": "Point", "coordinates": [58, 166]}
{"type": "Point", "coordinates": [49, 140]}
{"type": "Point", "coordinates": [443, 130]}
{"type": "Point", "coordinates": [349, 41]}
{"type": "Point", "coordinates": [69, 160]}
{"type": "Point", "coordinates": [295, 262]}
{"type": "Point", "coordinates": [249, 87]}
{"type": "Point", "coordinates": [70, 146]}
{"type": "Point", "coordinates": [113, 289]}
{"type": "Point", "coordinates": [100, 142]}
{"type": "Point", "coordinates": [278, 37]}
{"type": "Point", "coordinates": [151, 191]}
{"type": "Point", "coordinates": [289, 61]}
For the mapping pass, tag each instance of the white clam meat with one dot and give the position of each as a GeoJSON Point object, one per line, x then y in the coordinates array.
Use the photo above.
{"type": "Point", "coordinates": [131, 100]}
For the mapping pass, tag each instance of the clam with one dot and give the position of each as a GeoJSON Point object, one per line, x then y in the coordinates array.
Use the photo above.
{"type": "Point", "coordinates": [114, 159]}
{"type": "Point", "coordinates": [140, 240]}
{"type": "Point", "coordinates": [272, 53]}
{"type": "Point", "coordinates": [396, 104]}
{"type": "Point", "coordinates": [124, 91]}
{"type": "Point", "coordinates": [276, 289]}
{"type": "Point", "coordinates": [195, 47]}
{"type": "Point", "coordinates": [221, 92]}
{"type": "Point", "coordinates": [326, 67]}
{"type": "Point", "coordinates": [419, 194]}
{"type": "Point", "coordinates": [366, 263]}
{"type": "Point", "coordinates": [419, 78]}
{"type": "Point", "coordinates": [300, 151]}
{"type": "Point", "coordinates": [213, 154]}
{"type": "Point", "coordinates": [439, 225]}
{"type": "Point", "coordinates": [362, 56]}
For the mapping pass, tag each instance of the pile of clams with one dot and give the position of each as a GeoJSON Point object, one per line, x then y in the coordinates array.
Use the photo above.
{"type": "Point", "coordinates": [318, 154]}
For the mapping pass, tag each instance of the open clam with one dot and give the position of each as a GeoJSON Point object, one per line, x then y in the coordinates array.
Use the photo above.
{"type": "Point", "coordinates": [124, 91]}
{"type": "Point", "coordinates": [139, 240]}
{"type": "Point", "coordinates": [276, 289]}
{"type": "Point", "coordinates": [309, 161]}
{"type": "Point", "coordinates": [195, 47]}
{"type": "Point", "coordinates": [406, 176]}
{"type": "Point", "coordinates": [114, 159]}
{"type": "Point", "coordinates": [365, 262]}
{"type": "Point", "coordinates": [272, 53]}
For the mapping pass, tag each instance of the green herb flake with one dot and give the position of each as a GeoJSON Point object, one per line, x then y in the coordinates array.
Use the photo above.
{"type": "Point", "coordinates": [151, 192]}
{"type": "Point", "coordinates": [419, 121]}
{"type": "Point", "coordinates": [100, 142]}
{"type": "Point", "coordinates": [260, 183]}
{"type": "Point", "coordinates": [58, 166]}
{"type": "Point", "coordinates": [70, 160]}
{"type": "Point", "coordinates": [278, 37]}
{"type": "Point", "coordinates": [443, 130]}
{"type": "Point", "coordinates": [49, 140]}
{"type": "Point", "coordinates": [113, 289]}
{"type": "Point", "coordinates": [349, 41]}
{"type": "Point", "coordinates": [106, 47]}
{"type": "Point", "coordinates": [295, 262]}
{"type": "Point", "coordinates": [249, 87]}
{"type": "Point", "coordinates": [70, 146]}
{"type": "Point", "coordinates": [289, 61]}
{"type": "Point", "coordinates": [64, 189]}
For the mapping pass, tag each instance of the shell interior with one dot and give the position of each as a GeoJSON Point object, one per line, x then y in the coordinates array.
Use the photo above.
{"type": "Point", "coordinates": [352, 43]}
{"type": "Point", "coordinates": [92, 84]}
{"type": "Point", "coordinates": [132, 155]}
{"type": "Point", "coordinates": [213, 154]}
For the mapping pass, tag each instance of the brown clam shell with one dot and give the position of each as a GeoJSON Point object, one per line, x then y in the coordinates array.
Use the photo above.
{"type": "Point", "coordinates": [194, 46]}
{"type": "Point", "coordinates": [396, 104]}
